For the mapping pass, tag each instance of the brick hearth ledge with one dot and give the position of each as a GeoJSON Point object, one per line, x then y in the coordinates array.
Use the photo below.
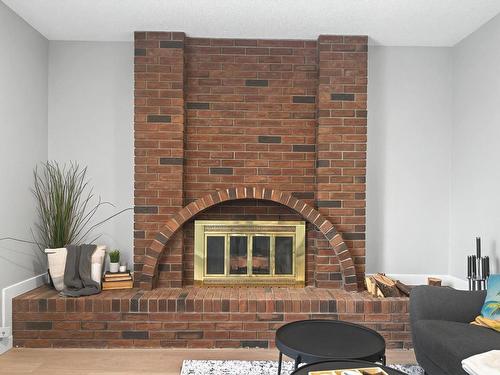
{"type": "Point", "coordinates": [195, 317]}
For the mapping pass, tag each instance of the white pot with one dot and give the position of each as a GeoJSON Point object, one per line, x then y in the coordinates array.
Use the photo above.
{"type": "Point", "coordinates": [56, 259]}
{"type": "Point", "coordinates": [114, 267]}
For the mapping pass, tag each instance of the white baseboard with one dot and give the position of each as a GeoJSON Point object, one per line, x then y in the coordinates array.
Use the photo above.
{"type": "Point", "coordinates": [10, 292]}
{"type": "Point", "coordinates": [421, 279]}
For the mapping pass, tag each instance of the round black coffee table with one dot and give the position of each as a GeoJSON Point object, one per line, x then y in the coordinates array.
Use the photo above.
{"type": "Point", "coordinates": [338, 365]}
{"type": "Point", "coordinates": [310, 341]}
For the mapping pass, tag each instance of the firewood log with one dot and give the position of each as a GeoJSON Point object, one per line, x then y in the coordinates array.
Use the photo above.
{"type": "Point", "coordinates": [403, 288]}
{"type": "Point", "coordinates": [434, 281]}
{"type": "Point", "coordinates": [387, 286]}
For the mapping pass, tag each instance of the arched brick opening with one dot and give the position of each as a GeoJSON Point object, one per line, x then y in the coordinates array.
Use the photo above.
{"type": "Point", "coordinates": [155, 249]}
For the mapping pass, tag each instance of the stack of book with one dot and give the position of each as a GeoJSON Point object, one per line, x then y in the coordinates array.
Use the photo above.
{"type": "Point", "coordinates": [117, 280]}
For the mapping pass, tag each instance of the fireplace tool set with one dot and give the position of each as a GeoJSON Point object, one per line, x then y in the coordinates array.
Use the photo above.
{"type": "Point", "coordinates": [478, 268]}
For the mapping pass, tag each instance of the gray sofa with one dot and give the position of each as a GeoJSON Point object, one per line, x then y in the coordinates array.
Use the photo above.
{"type": "Point", "coordinates": [441, 333]}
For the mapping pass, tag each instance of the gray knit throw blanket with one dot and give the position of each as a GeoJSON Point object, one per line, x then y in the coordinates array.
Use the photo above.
{"type": "Point", "coordinates": [78, 270]}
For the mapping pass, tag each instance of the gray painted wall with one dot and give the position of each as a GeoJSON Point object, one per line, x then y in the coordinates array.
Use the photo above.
{"type": "Point", "coordinates": [408, 176]}
{"type": "Point", "coordinates": [476, 150]}
{"type": "Point", "coordinates": [91, 121]}
{"type": "Point", "coordinates": [23, 141]}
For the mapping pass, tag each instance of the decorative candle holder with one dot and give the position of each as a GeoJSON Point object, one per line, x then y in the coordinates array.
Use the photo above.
{"type": "Point", "coordinates": [478, 268]}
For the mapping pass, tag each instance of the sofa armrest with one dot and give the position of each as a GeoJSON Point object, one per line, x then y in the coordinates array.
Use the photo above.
{"type": "Point", "coordinates": [441, 303]}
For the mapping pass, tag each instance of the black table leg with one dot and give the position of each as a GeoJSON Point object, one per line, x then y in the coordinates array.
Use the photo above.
{"type": "Point", "coordinates": [297, 362]}
{"type": "Point", "coordinates": [279, 363]}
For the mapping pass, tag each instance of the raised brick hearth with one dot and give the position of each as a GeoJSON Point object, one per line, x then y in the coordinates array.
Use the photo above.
{"type": "Point", "coordinates": [195, 317]}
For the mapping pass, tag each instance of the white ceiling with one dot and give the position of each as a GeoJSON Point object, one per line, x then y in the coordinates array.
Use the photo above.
{"type": "Point", "coordinates": [386, 22]}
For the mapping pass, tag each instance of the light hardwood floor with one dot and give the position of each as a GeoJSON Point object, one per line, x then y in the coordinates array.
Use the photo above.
{"type": "Point", "coordinates": [132, 361]}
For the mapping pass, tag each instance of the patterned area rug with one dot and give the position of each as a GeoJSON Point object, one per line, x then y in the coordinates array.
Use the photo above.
{"type": "Point", "coordinates": [198, 367]}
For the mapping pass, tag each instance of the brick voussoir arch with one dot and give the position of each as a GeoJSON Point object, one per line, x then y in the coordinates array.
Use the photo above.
{"type": "Point", "coordinates": [310, 214]}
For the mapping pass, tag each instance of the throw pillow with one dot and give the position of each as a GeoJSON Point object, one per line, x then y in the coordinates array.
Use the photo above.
{"type": "Point", "coordinates": [490, 313]}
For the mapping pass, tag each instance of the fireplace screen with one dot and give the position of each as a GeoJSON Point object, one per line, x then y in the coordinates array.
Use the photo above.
{"type": "Point", "coordinates": [249, 252]}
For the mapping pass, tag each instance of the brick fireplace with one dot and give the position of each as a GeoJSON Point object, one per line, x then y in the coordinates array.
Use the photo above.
{"type": "Point", "coordinates": [250, 130]}
{"type": "Point", "coordinates": [234, 130]}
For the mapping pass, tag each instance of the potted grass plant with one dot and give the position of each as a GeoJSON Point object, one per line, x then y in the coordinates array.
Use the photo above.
{"type": "Point", "coordinates": [114, 261]}
{"type": "Point", "coordinates": [66, 208]}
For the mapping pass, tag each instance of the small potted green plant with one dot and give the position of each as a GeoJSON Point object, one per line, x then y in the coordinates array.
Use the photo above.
{"type": "Point", "coordinates": [114, 261]}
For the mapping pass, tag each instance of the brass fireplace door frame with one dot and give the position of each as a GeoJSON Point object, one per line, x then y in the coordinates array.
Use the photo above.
{"type": "Point", "coordinates": [249, 228]}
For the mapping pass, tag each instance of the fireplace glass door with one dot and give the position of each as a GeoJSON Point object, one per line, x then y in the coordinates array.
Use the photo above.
{"type": "Point", "coordinates": [249, 252]}
{"type": "Point", "coordinates": [238, 255]}
{"type": "Point", "coordinates": [261, 255]}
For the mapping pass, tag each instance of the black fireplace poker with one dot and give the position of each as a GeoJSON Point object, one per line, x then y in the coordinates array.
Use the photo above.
{"type": "Point", "coordinates": [478, 268]}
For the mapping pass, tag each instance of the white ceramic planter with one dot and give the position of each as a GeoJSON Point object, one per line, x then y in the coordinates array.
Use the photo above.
{"type": "Point", "coordinates": [114, 267]}
{"type": "Point", "coordinates": [56, 261]}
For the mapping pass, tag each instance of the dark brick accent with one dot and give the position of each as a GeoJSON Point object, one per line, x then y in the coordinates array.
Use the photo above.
{"type": "Point", "coordinates": [335, 204]}
{"type": "Point", "coordinates": [269, 139]}
{"type": "Point", "coordinates": [257, 82]}
{"type": "Point", "coordinates": [304, 148]}
{"type": "Point", "coordinates": [360, 195]}
{"type": "Point", "coordinates": [254, 344]}
{"type": "Point", "coordinates": [135, 335]}
{"type": "Point", "coordinates": [197, 105]}
{"type": "Point", "coordinates": [139, 52]}
{"type": "Point", "coordinates": [171, 44]}
{"type": "Point", "coordinates": [161, 238]}
{"type": "Point", "coordinates": [303, 194]}
{"type": "Point", "coordinates": [138, 267]}
{"type": "Point", "coordinates": [335, 276]}
{"type": "Point", "coordinates": [361, 113]}
{"type": "Point", "coordinates": [304, 99]}
{"type": "Point", "coordinates": [171, 161]}
{"type": "Point", "coordinates": [350, 279]}
{"type": "Point", "coordinates": [343, 97]}
{"type": "Point", "coordinates": [360, 179]}
{"type": "Point", "coordinates": [146, 209]}
{"type": "Point", "coordinates": [322, 163]}
{"type": "Point", "coordinates": [139, 234]}
{"type": "Point", "coordinates": [134, 302]}
{"type": "Point", "coordinates": [38, 326]}
{"type": "Point", "coordinates": [164, 267]}
{"type": "Point", "coordinates": [331, 233]}
{"type": "Point", "coordinates": [217, 170]}
{"type": "Point", "coordinates": [159, 118]}
{"type": "Point", "coordinates": [353, 236]}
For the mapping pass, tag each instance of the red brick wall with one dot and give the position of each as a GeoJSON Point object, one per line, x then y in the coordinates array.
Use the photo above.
{"type": "Point", "coordinates": [341, 139]}
{"type": "Point", "coordinates": [247, 123]}
{"type": "Point", "coordinates": [159, 143]}
{"type": "Point", "coordinates": [219, 113]}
